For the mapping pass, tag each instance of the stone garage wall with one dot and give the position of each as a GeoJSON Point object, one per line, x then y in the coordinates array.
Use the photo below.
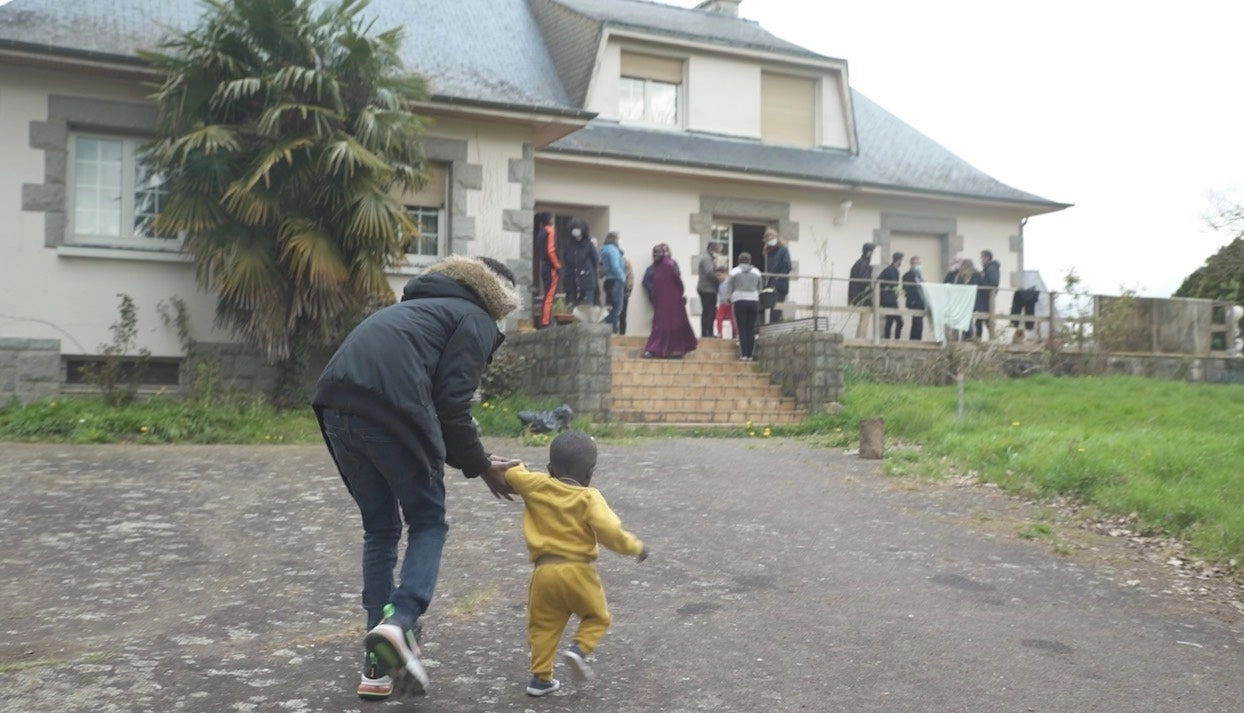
{"type": "Point", "coordinates": [571, 363]}
{"type": "Point", "coordinates": [30, 369]}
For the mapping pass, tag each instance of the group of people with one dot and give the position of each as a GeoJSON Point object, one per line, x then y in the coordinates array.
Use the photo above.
{"type": "Point", "coordinates": [891, 280]}
{"type": "Point", "coordinates": [734, 295]}
{"type": "Point", "coordinates": [394, 407]}
{"type": "Point", "coordinates": [725, 294]}
{"type": "Point", "coordinates": [583, 272]}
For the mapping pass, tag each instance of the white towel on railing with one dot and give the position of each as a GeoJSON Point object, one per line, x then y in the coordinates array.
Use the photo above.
{"type": "Point", "coordinates": [949, 306]}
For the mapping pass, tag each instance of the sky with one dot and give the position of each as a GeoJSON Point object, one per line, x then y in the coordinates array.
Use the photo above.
{"type": "Point", "coordinates": [1131, 110]}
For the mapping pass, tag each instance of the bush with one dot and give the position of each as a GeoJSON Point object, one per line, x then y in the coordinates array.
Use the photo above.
{"type": "Point", "coordinates": [504, 376]}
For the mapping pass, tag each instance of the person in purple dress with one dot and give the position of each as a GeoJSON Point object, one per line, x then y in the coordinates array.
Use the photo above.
{"type": "Point", "coordinates": [672, 336]}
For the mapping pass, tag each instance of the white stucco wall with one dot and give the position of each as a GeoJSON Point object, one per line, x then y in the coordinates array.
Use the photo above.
{"type": "Point", "coordinates": [70, 294]}
{"type": "Point", "coordinates": [493, 146]}
{"type": "Point", "coordinates": [47, 293]}
{"type": "Point", "coordinates": [648, 208]}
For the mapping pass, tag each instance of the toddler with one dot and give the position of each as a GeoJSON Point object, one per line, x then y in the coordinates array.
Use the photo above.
{"type": "Point", "coordinates": [563, 520]}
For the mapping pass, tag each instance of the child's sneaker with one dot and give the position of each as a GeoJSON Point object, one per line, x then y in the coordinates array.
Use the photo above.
{"type": "Point", "coordinates": [579, 666]}
{"type": "Point", "coordinates": [375, 684]}
{"type": "Point", "coordinates": [539, 687]}
{"type": "Point", "coordinates": [397, 650]}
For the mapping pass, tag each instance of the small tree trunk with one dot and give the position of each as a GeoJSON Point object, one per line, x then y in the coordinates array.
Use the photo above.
{"type": "Point", "coordinates": [872, 438]}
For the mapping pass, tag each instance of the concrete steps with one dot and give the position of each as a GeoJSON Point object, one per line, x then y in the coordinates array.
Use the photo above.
{"type": "Point", "coordinates": [708, 388]}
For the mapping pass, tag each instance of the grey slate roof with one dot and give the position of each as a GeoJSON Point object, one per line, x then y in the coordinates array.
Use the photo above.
{"type": "Point", "coordinates": [683, 23]}
{"type": "Point", "coordinates": [502, 52]}
{"type": "Point", "coordinates": [892, 155]}
{"type": "Point", "coordinates": [487, 51]}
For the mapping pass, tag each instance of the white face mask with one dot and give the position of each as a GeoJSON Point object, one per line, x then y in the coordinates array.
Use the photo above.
{"type": "Point", "coordinates": [577, 233]}
{"type": "Point", "coordinates": [772, 242]}
{"type": "Point", "coordinates": [916, 267]}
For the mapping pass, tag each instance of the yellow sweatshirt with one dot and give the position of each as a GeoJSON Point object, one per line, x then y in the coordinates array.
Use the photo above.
{"type": "Point", "coordinates": [567, 520]}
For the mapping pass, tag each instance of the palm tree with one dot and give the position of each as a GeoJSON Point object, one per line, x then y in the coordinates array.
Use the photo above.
{"type": "Point", "coordinates": [284, 135]}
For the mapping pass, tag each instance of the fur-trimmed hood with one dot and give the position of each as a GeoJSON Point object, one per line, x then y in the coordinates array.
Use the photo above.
{"type": "Point", "coordinates": [499, 298]}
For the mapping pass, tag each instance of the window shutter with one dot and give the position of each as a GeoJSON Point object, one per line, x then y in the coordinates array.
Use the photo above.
{"type": "Point", "coordinates": [660, 69]}
{"type": "Point", "coordinates": [788, 109]}
{"type": "Point", "coordinates": [432, 195]}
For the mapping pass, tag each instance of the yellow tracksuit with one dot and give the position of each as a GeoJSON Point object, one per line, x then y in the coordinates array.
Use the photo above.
{"type": "Point", "coordinates": [562, 524]}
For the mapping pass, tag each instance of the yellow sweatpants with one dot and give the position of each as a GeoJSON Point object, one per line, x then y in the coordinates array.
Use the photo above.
{"type": "Point", "coordinates": [558, 590]}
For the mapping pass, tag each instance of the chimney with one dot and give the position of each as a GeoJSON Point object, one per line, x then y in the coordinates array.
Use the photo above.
{"type": "Point", "coordinates": [729, 8]}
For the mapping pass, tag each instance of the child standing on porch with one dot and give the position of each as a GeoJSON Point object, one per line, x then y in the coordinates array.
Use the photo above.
{"type": "Point", "coordinates": [563, 520]}
{"type": "Point", "coordinates": [724, 309]}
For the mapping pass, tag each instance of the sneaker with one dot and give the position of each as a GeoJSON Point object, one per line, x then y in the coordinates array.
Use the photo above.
{"type": "Point", "coordinates": [538, 687]}
{"type": "Point", "coordinates": [579, 666]}
{"type": "Point", "coordinates": [375, 684]}
{"type": "Point", "coordinates": [397, 650]}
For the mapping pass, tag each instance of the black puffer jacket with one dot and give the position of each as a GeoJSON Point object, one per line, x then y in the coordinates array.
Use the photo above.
{"type": "Point", "coordinates": [414, 366]}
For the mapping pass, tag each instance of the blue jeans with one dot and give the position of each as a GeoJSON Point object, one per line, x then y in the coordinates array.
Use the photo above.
{"type": "Point", "coordinates": [615, 293]}
{"type": "Point", "coordinates": [377, 468]}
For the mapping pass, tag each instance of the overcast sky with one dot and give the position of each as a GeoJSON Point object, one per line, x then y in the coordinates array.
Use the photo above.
{"type": "Point", "coordinates": [1130, 110]}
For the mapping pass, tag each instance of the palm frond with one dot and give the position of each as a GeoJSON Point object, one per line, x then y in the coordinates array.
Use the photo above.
{"type": "Point", "coordinates": [345, 156]}
{"type": "Point", "coordinates": [323, 120]}
{"type": "Point", "coordinates": [267, 159]}
{"type": "Point", "coordinates": [297, 81]}
{"type": "Point", "coordinates": [229, 93]}
{"type": "Point", "coordinates": [250, 278]}
{"type": "Point", "coordinates": [311, 254]}
{"type": "Point", "coordinates": [190, 212]}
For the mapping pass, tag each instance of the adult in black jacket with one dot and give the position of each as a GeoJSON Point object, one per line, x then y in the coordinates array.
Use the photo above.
{"type": "Point", "coordinates": [915, 300]}
{"type": "Point", "coordinates": [394, 405]}
{"type": "Point", "coordinates": [888, 282]}
{"type": "Point", "coordinates": [859, 289]}
{"type": "Point", "coordinates": [991, 277]}
{"type": "Point", "coordinates": [582, 267]}
{"type": "Point", "coordinates": [777, 264]}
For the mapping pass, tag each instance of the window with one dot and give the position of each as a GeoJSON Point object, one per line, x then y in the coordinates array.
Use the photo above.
{"type": "Point", "coordinates": [649, 89]}
{"type": "Point", "coordinates": [427, 242]}
{"type": "Point", "coordinates": [427, 209]}
{"type": "Point", "coordinates": [114, 196]}
{"type": "Point", "coordinates": [788, 109]}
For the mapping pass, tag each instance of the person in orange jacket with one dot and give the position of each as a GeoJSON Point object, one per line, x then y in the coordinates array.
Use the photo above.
{"type": "Point", "coordinates": [550, 264]}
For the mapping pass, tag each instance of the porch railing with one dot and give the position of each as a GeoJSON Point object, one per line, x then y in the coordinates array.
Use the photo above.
{"type": "Point", "coordinates": [1128, 324]}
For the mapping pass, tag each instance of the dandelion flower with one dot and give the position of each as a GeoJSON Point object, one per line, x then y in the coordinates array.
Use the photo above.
{"type": "Point", "coordinates": [1014, 424]}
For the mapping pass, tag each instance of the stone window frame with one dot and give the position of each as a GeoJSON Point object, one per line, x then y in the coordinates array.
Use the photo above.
{"type": "Point", "coordinates": [714, 209]}
{"type": "Point", "coordinates": [68, 116]}
{"type": "Point", "coordinates": [946, 230]}
{"type": "Point", "coordinates": [461, 176]}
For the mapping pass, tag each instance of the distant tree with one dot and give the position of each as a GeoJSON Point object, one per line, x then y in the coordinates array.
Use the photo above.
{"type": "Point", "coordinates": [284, 128]}
{"type": "Point", "coordinates": [1222, 275]}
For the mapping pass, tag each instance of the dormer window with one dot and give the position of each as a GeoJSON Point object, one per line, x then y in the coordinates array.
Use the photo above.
{"type": "Point", "coordinates": [649, 89]}
{"type": "Point", "coordinates": [787, 109]}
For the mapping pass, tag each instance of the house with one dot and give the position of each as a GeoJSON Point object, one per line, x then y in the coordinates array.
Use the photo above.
{"type": "Point", "coordinates": [664, 124]}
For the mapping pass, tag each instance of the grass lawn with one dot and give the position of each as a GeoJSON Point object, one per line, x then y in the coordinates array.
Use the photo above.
{"type": "Point", "coordinates": [1170, 452]}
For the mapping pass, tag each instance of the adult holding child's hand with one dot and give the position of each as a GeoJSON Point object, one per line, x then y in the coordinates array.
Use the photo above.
{"type": "Point", "coordinates": [394, 405]}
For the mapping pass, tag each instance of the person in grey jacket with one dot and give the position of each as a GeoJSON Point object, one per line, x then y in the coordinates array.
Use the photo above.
{"type": "Point", "coordinates": [745, 284]}
{"type": "Point", "coordinates": [707, 289]}
{"type": "Point", "coordinates": [394, 407]}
